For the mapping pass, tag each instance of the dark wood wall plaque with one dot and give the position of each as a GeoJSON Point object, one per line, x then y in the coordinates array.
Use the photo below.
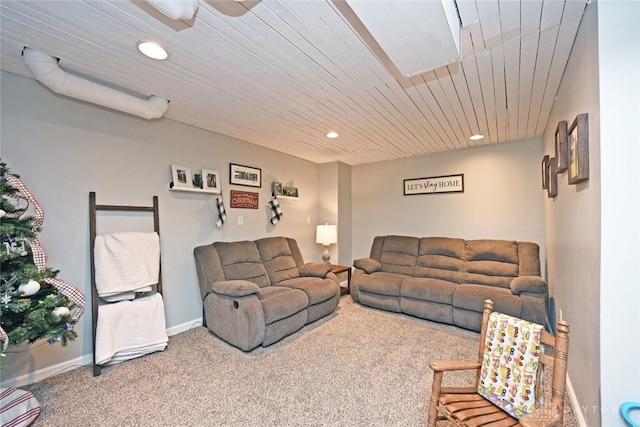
{"type": "Point", "coordinates": [244, 199]}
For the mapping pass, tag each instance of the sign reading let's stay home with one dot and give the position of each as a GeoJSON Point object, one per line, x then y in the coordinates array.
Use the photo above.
{"type": "Point", "coordinates": [434, 184]}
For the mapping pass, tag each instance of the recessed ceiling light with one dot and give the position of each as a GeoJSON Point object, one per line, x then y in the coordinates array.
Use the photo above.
{"type": "Point", "coordinates": [476, 137]}
{"type": "Point", "coordinates": [152, 50]}
{"type": "Point", "coordinates": [332, 134]}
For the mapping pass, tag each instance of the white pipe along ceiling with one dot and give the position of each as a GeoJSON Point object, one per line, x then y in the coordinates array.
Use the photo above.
{"type": "Point", "coordinates": [46, 70]}
{"type": "Point", "coordinates": [176, 9]}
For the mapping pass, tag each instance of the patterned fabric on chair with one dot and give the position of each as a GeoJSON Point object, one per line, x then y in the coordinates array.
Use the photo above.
{"type": "Point", "coordinates": [508, 386]}
{"type": "Point", "coordinates": [510, 364]}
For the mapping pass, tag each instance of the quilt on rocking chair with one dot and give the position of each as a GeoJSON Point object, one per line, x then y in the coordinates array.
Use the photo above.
{"type": "Point", "coordinates": [509, 372]}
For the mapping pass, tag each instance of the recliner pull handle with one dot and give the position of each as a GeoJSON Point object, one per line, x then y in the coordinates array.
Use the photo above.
{"type": "Point", "coordinates": [236, 305]}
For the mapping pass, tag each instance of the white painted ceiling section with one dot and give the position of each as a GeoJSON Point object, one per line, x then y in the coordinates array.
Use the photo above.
{"type": "Point", "coordinates": [283, 73]}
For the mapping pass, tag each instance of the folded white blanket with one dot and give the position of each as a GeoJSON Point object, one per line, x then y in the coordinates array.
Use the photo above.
{"type": "Point", "coordinates": [130, 329]}
{"type": "Point", "coordinates": [126, 262]}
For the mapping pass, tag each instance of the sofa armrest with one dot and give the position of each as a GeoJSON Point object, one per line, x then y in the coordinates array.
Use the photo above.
{"type": "Point", "coordinates": [369, 265]}
{"type": "Point", "coordinates": [236, 288]}
{"type": "Point", "coordinates": [314, 269]}
{"type": "Point", "coordinates": [531, 284]}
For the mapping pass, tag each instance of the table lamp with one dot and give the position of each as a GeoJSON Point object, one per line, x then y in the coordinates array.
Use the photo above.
{"type": "Point", "coordinates": [326, 235]}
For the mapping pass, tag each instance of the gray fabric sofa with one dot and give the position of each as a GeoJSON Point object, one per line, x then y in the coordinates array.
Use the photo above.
{"type": "Point", "coordinates": [447, 280]}
{"type": "Point", "coordinates": [258, 292]}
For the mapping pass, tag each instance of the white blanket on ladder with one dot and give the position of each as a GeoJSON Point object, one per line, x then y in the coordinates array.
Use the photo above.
{"type": "Point", "coordinates": [126, 263]}
{"type": "Point", "coordinates": [130, 329]}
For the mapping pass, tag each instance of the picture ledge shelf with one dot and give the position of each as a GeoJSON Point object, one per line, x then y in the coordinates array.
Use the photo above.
{"type": "Point", "coordinates": [287, 197]}
{"type": "Point", "coordinates": [194, 190]}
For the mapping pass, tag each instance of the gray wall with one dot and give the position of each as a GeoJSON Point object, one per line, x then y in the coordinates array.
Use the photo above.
{"type": "Point", "coordinates": [502, 196]}
{"type": "Point", "coordinates": [573, 222]}
{"type": "Point", "coordinates": [64, 149]}
{"type": "Point", "coordinates": [619, 91]}
{"type": "Point", "coordinates": [592, 229]}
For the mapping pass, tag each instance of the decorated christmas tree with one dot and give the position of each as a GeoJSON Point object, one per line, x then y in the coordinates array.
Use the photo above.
{"type": "Point", "coordinates": [34, 304]}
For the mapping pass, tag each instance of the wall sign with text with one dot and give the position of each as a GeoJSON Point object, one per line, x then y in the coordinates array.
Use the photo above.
{"type": "Point", "coordinates": [434, 185]}
{"type": "Point", "coordinates": [244, 199]}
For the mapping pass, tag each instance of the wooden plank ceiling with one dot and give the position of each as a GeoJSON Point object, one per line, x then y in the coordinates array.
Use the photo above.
{"type": "Point", "coordinates": [282, 73]}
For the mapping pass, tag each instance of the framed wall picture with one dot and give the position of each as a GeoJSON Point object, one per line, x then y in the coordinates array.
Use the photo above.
{"type": "Point", "coordinates": [277, 188]}
{"type": "Point", "coordinates": [545, 172]}
{"type": "Point", "coordinates": [181, 176]}
{"type": "Point", "coordinates": [552, 188]}
{"type": "Point", "coordinates": [579, 149]}
{"type": "Point", "coordinates": [561, 146]}
{"type": "Point", "coordinates": [290, 191]}
{"type": "Point", "coordinates": [434, 185]}
{"type": "Point", "coordinates": [210, 180]}
{"type": "Point", "coordinates": [245, 175]}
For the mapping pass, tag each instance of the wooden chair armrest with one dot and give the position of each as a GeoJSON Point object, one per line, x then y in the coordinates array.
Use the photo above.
{"type": "Point", "coordinates": [453, 365]}
{"type": "Point", "coordinates": [543, 416]}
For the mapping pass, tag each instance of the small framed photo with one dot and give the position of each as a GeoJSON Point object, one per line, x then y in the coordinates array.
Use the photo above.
{"type": "Point", "coordinates": [545, 172]}
{"type": "Point", "coordinates": [579, 149]}
{"type": "Point", "coordinates": [561, 146]}
{"type": "Point", "coordinates": [211, 180]}
{"type": "Point", "coordinates": [552, 188]}
{"type": "Point", "coordinates": [277, 188]}
{"type": "Point", "coordinates": [290, 191]}
{"type": "Point", "coordinates": [245, 175]}
{"type": "Point", "coordinates": [181, 176]}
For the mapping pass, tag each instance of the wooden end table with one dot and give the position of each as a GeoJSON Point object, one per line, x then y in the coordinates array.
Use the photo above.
{"type": "Point", "coordinates": [337, 269]}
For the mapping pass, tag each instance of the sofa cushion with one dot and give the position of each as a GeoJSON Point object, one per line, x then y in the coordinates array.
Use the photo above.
{"type": "Point", "coordinates": [494, 250]}
{"type": "Point", "coordinates": [277, 257]}
{"type": "Point", "coordinates": [491, 262]}
{"type": "Point", "coordinates": [382, 283]}
{"type": "Point", "coordinates": [446, 246]}
{"type": "Point", "coordinates": [241, 261]}
{"type": "Point", "coordinates": [280, 302]}
{"type": "Point", "coordinates": [399, 254]}
{"type": "Point", "coordinates": [318, 290]}
{"type": "Point", "coordinates": [529, 257]}
{"type": "Point", "coordinates": [471, 297]}
{"type": "Point", "coordinates": [430, 310]}
{"type": "Point", "coordinates": [428, 289]}
{"type": "Point", "coordinates": [441, 258]}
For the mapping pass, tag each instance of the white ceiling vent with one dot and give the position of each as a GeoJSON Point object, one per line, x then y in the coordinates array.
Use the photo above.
{"type": "Point", "coordinates": [417, 36]}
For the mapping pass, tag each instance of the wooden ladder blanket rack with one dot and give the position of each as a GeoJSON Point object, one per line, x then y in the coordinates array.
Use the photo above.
{"type": "Point", "coordinates": [95, 299]}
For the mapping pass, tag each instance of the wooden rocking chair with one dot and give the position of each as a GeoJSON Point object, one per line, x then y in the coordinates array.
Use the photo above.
{"type": "Point", "coordinates": [464, 406]}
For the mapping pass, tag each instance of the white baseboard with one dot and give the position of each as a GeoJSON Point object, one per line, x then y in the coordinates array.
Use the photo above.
{"type": "Point", "coordinates": [49, 371]}
{"type": "Point", "coordinates": [87, 359]}
{"type": "Point", "coordinates": [175, 330]}
{"type": "Point", "coordinates": [575, 404]}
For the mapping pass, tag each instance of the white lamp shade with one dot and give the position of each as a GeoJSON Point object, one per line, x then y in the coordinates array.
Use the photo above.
{"type": "Point", "coordinates": [327, 234]}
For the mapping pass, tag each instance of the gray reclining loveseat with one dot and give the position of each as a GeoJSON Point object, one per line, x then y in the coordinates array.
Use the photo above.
{"type": "Point", "coordinates": [447, 280]}
{"type": "Point", "coordinates": [258, 292]}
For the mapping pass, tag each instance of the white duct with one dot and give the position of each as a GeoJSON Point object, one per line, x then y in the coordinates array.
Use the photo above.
{"type": "Point", "coordinates": [176, 9]}
{"type": "Point", "coordinates": [46, 70]}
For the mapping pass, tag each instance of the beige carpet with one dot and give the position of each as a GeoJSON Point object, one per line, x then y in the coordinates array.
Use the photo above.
{"type": "Point", "coordinates": [357, 367]}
